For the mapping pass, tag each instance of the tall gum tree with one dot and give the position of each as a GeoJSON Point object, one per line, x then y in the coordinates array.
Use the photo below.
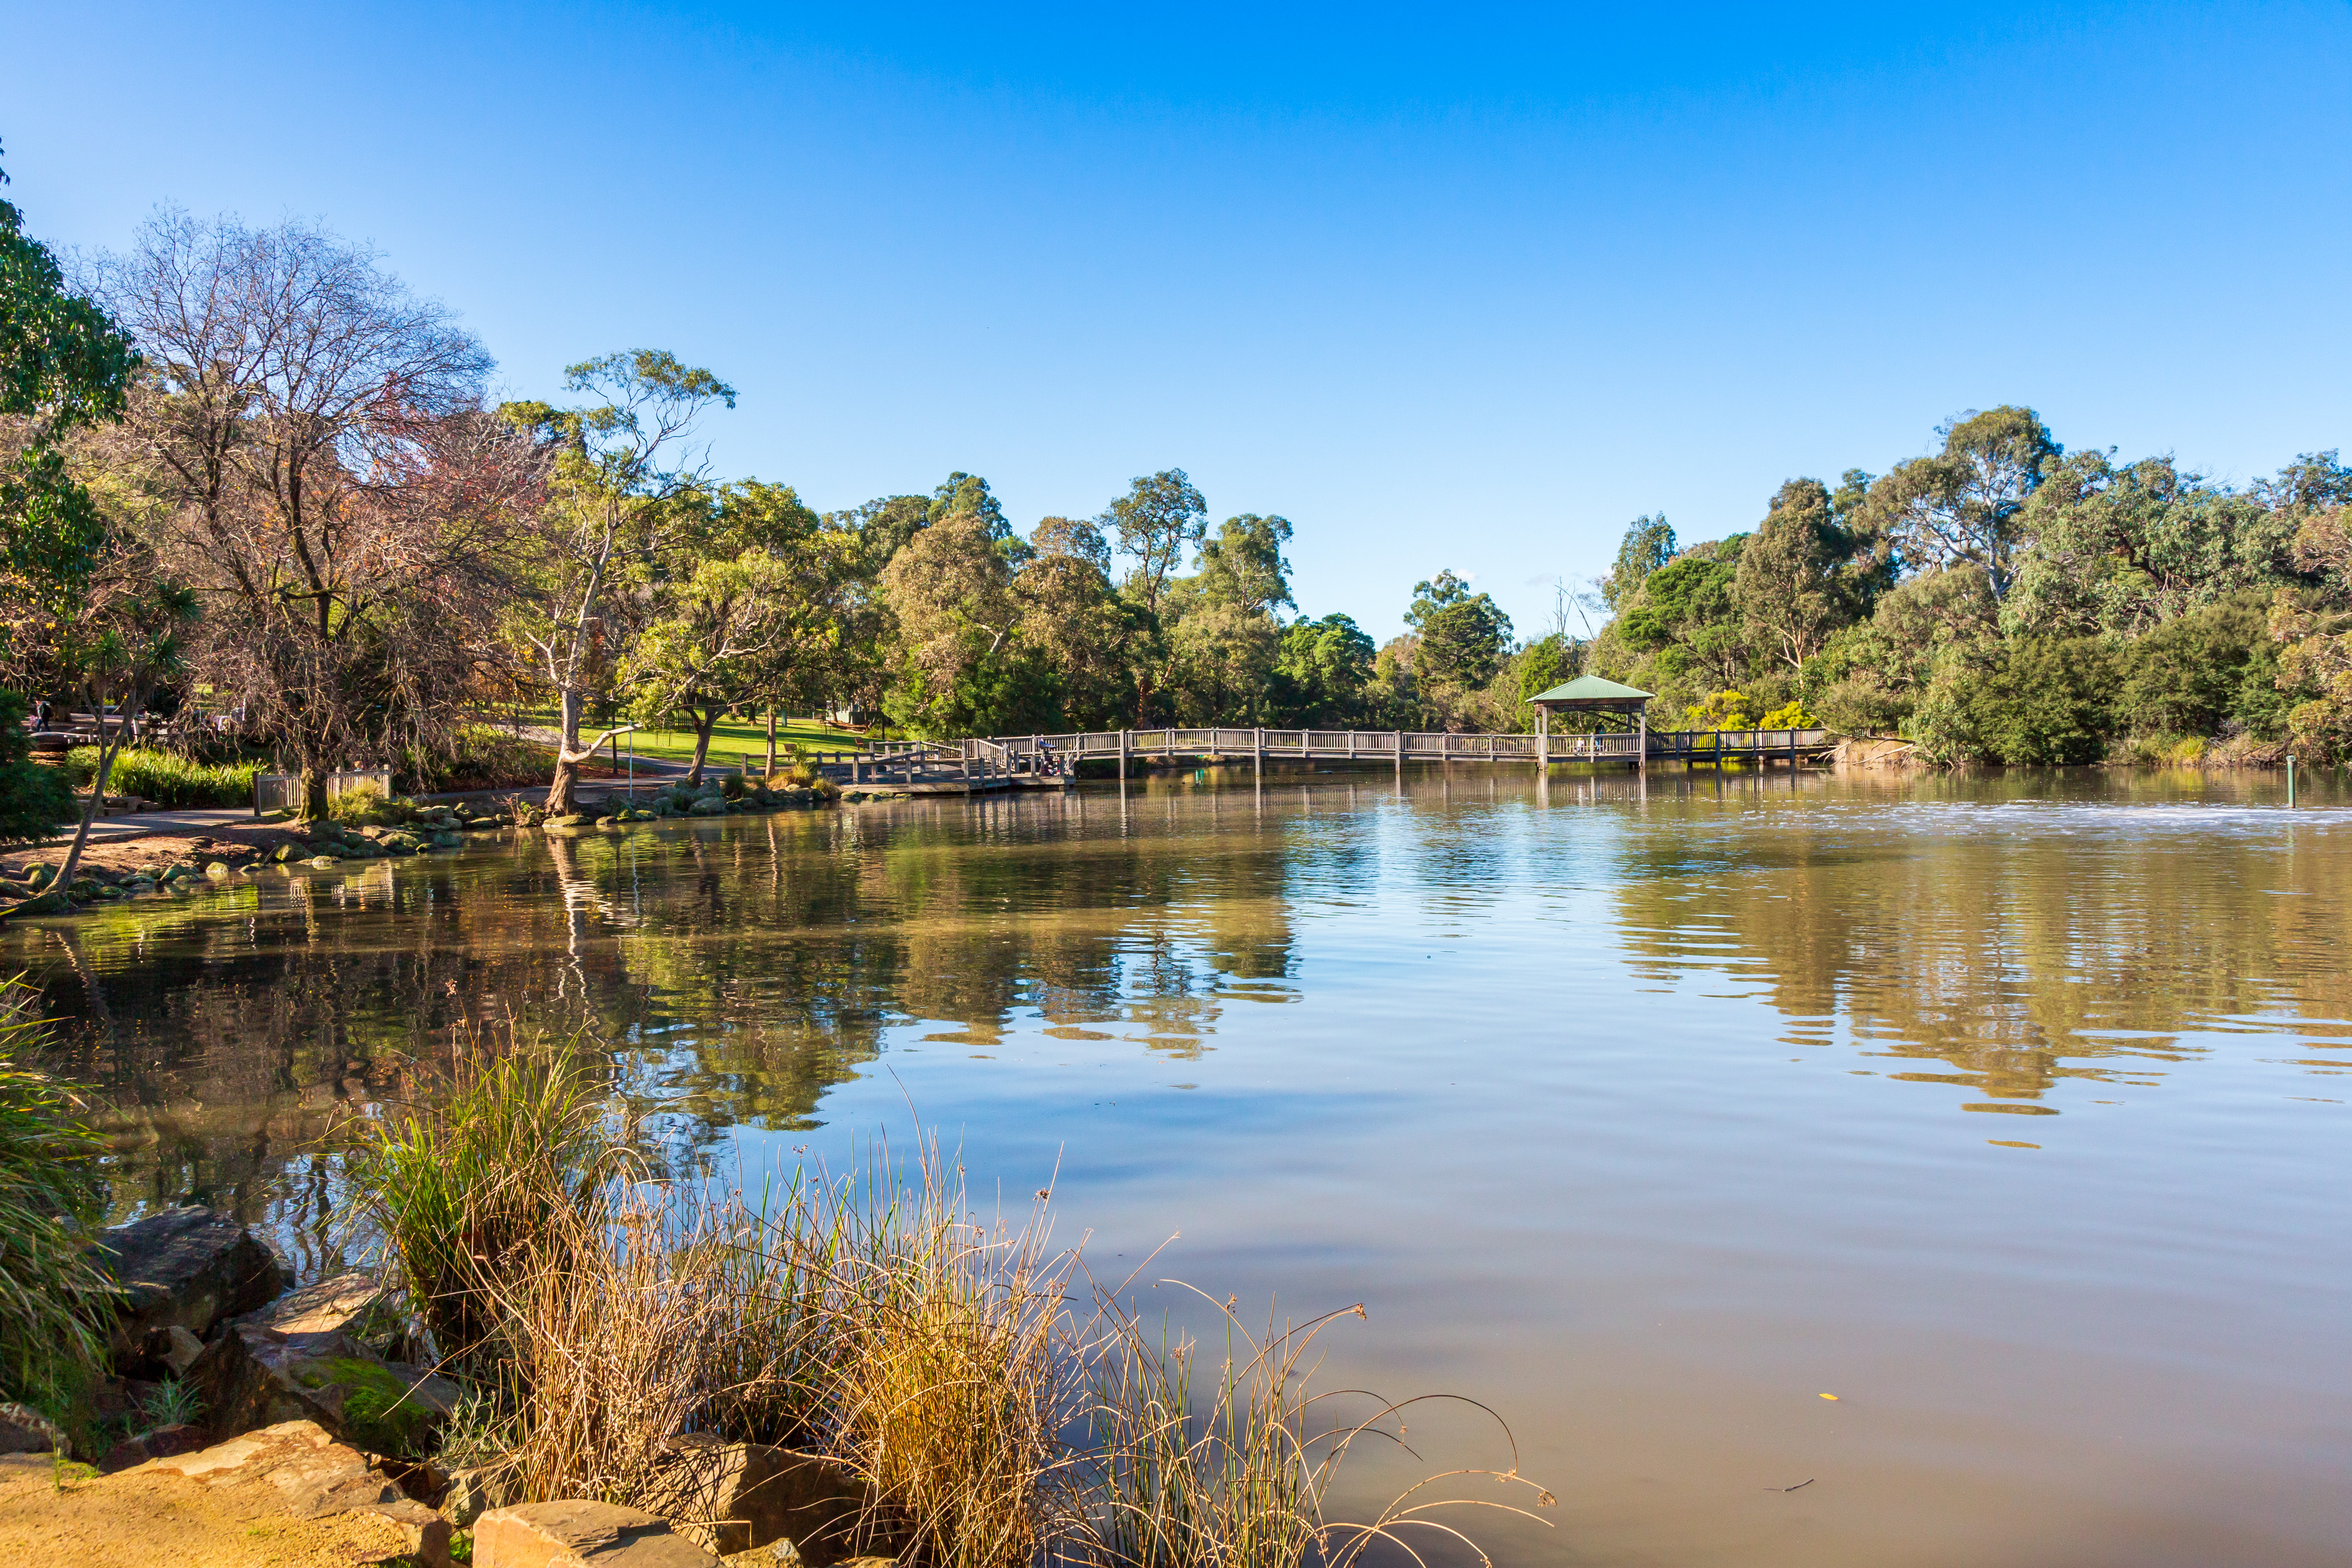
{"type": "Point", "coordinates": [621, 472]}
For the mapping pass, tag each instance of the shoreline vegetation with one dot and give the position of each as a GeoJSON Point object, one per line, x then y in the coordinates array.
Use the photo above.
{"type": "Point", "coordinates": [567, 1311]}
{"type": "Point", "coordinates": [227, 533]}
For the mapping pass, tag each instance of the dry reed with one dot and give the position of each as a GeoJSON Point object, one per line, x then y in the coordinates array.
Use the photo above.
{"type": "Point", "coordinates": [876, 1323]}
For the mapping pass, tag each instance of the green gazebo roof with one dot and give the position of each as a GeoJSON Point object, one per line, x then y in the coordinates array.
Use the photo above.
{"type": "Point", "coordinates": [1591, 689]}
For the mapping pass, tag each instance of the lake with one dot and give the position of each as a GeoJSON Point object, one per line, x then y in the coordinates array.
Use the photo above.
{"type": "Point", "coordinates": [2010, 1111]}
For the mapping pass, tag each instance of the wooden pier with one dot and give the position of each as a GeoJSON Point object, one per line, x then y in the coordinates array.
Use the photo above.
{"type": "Point", "coordinates": [978, 765]}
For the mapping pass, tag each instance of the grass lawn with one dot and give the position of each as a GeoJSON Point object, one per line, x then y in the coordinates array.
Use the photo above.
{"type": "Point", "coordinates": [730, 741]}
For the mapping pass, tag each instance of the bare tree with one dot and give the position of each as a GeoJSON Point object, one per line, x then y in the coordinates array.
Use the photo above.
{"type": "Point", "coordinates": [312, 439]}
{"type": "Point", "coordinates": [622, 480]}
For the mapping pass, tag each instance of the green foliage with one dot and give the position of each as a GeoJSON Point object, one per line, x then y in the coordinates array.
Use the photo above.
{"type": "Point", "coordinates": [1648, 544]}
{"type": "Point", "coordinates": [36, 799]}
{"type": "Point", "coordinates": [472, 1169]}
{"type": "Point", "coordinates": [166, 778]}
{"type": "Point", "coordinates": [2211, 672]}
{"type": "Point", "coordinates": [1322, 673]}
{"type": "Point", "coordinates": [64, 363]}
{"type": "Point", "coordinates": [1464, 635]}
{"type": "Point", "coordinates": [51, 1287]}
{"type": "Point", "coordinates": [2047, 700]}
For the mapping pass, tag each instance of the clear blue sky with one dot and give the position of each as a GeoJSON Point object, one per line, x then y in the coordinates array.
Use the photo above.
{"type": "Point", "coordinates": [1444, 289]}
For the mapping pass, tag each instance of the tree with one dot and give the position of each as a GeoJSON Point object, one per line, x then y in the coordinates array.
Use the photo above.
{"type": "Point", "coordinates": [1965, 503]}
{"type": "Point", "coordinates": [1648, 545]}
{"type": "Point", "coordinates": [1321, 672]}
{"type": "Point", "coordinates": [65, 364]}
{"type": "Point", "coordinates": [116, 642]}
{"type": "Point", "coordinates": [2125, 548]}
{"type": "Point", "coordinates": [1789, 585]}
{"type": "Point", "coordinates": [1161, 517]}
{"type": "Point", "coordinates": [1073, 624]}
{"type": "Point", "coordinates": [1464, 635]}
{"type": "Point", "coordinates": [311, 443]}
{"type": "Point", "coordinates": [622, 480]}
{"type": "Point", "coordinates": [951, 593]}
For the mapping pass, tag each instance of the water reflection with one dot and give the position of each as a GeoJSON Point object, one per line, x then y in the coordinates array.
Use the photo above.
{"type": "Point", "coordinates": [2000, 937]}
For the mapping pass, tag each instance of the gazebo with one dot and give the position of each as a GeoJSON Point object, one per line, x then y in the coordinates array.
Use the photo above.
{"type": "Point", "coordinates": [1593, 693]}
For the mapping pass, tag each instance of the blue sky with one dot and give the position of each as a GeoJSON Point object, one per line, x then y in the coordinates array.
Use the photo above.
{"type": "Point", "coordinates": [1446, 289]}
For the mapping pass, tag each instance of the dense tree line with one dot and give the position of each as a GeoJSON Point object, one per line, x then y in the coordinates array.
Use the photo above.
{"type": "Point", "coordinates": [249, 462]}
{"type": "Point", "coordinates": [2003, 599]}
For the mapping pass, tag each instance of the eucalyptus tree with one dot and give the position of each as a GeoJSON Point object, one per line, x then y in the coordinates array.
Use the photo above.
{"type": "Point", "coordinates": [1966, 503]}
{"type": "Point", "coordinates": [1796, 582]}
{"type": "Point", "coordinates": [310, 451]}
{"type": "Point", "coordinates": [623, 477]}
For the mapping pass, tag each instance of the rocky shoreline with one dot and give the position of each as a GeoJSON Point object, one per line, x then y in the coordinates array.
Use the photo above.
{"type": "Point", "coordinates": [311, 1438]}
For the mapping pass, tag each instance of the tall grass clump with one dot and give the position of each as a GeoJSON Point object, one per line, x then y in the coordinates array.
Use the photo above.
{"type": "Point", "coordinates": [973, 1409]}
{"type": "Point", "coordinates": [166, 778]}
{"type": "Point", "coordinates": [51, 1287]}
{"type": "Point", "coordinates": [468, 1175]}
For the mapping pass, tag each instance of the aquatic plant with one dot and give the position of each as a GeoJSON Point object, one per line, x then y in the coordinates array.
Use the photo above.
{"type": "Point", "coordinates": [51, 1287]}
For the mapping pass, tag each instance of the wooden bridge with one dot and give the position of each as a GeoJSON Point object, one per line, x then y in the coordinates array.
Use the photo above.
{"type": "Point", "coordinates": [1048, 761]}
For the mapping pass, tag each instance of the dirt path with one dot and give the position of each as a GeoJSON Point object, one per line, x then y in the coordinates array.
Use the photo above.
{"type": "Point", "coordinates": [147, 1519]}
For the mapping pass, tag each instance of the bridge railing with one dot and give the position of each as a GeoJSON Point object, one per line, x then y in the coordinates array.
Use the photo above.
{"type": "Point", "coordinates": [1019, 752]}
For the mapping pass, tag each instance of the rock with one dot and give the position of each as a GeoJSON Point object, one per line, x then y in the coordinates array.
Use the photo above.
{"type": "Point", "coordinates": [314, 1476]}
{"type": "Point", "coordinates": [24, 1430]}
{"type": "Point", "coordinates": [217, 871]}
{"type": "Point", "coordinates": [473, 1491]}
{"type": "Point", "coordinates": [579, 1535]}
{"type": "Point", "coordinates": [303, 1359]}
{"type": "Point", "coordinates": [186, 1266]}
{"type": "Point", "coordinates": [324, 861]}
{"type": "Point", "coordinates": [732, 1497]}
{"type": "Point", "coordinates": [170, 1347]}
{"type": "Point", "coordinates": [708, 806]}
{"type": "Point", "coordinates": [775, 1554]}
{"type": "Point", "coordinates": [163, 1442]}
{"type": "Point", "coordinates": [42, 875]}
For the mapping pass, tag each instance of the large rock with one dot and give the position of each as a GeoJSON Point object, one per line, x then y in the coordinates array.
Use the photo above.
{"type": "Point", "coordinates": [24, 1430]}
{"type": "Point", "coordinates": [313, 1476]}
{"type": "Point", "coordinates": [305, 1359]}
{"type": "Point", "coordinates": [580, 1535]}
{"type": "Point", "coordinates": [732, 1497]}
{"type": "Point", "coordinates": [188, 1268]}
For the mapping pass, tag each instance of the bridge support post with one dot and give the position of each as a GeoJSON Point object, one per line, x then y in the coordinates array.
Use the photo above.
{"type": "Point", "coordinates": [1396, 740]}
{"type": "Point", "coordinates": [1642, 751]}
{"type": "Point", "coordinates": [1122, 756]}
{"type": "Point", "coordinates": [1257, 756]}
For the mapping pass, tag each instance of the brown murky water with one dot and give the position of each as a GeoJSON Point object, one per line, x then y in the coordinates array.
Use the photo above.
{"type": "Point", "coordinates": [2011, 1112]}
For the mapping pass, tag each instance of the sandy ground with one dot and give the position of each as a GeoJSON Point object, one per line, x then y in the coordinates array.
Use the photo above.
{"type": "Point", "coordinates": [149, 1519]}
{"type": "Point", "coordinates": [158, 847]}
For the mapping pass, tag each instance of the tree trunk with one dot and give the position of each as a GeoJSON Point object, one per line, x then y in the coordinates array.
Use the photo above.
{"type": "Point", "coordinates": [314, 793]}
{"type": "Point", "coordinates": [706, 720]}
{"type": "Point", "coordinates": [567, 750]}
{"type": "Point", "coordinates": [107, 753]}
{"type": "Point", "coordinates": [771, 743]}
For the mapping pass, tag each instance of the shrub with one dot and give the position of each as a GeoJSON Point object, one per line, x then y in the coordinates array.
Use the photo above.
{"type": "Point", "coordinates": [2204, 674]}
{"type": "Point", "coordinates": [1724, 710]}
{"type": "Point", "coordinates": [166, 778]}
{"type": "Point", "coordinates": [362, 802]}
{"type": "Point", "coordinates": [1790, 714]}
{"type": "Point", "coordinates": [2045, 701]}
{"type": "Point", "coordinates": [36, 799]}
{"type": "Point", "coordinates": [50, 1286]}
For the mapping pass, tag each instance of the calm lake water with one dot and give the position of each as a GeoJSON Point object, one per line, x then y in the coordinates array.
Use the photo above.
{"type": "Point", "coordinates": [2011, 1111]}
